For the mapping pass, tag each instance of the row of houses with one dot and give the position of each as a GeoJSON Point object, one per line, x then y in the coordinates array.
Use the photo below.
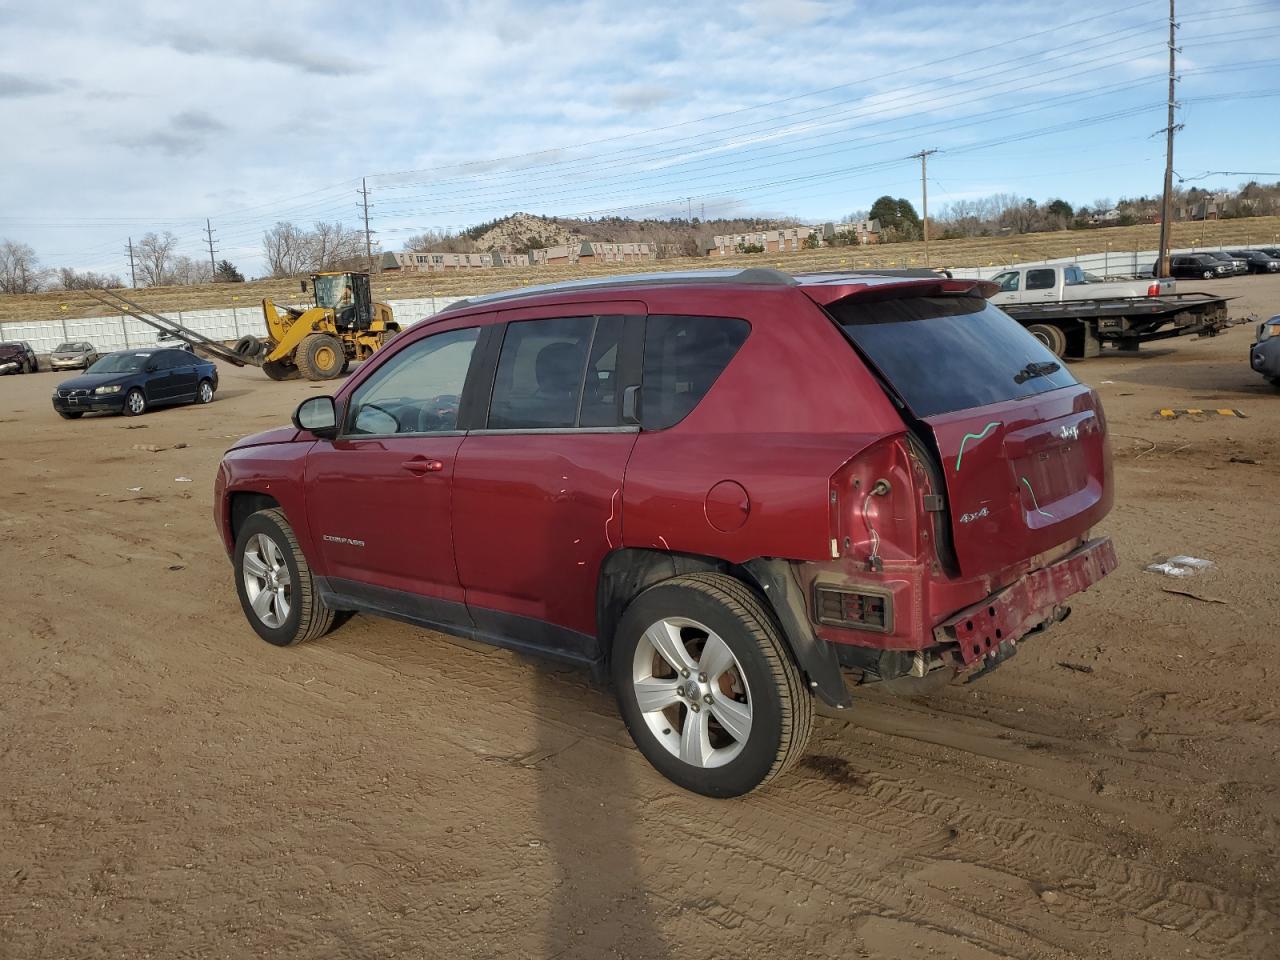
{"type": "Point", "coordinates": [783, 240]}
{"type": "Point", "coordinates": [588, 251]}
{"type": "Point", "coordinates": [791, 239]}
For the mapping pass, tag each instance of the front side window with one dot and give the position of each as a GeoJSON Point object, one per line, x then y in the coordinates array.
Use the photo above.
{"type": "Point", "coordinates": [418, 390]}
{"type": "Point", "coordinates": [1040, 279]}
{"type": "Point", "coordinates": [683, 357]}
{"type": "Point", "coordinates": [1008, 281]}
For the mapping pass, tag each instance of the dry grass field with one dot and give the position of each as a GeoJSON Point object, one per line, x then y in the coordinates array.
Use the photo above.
{"type": "Point", "coordinates": [974, 252]}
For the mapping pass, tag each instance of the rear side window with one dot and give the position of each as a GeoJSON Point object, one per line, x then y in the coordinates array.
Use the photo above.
{"type": "Point", "coordinates": [943, 354]}
{"type": "Point", "coordinates": [683, 356]}
{"type": "Point", "coordinates": [1040, 279]}
{"type": "Point", "coordinates": [557, 373]}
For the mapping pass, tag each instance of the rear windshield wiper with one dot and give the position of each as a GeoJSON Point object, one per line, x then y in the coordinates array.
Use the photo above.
{"type": "Point", "coordinates": [1032, 370]}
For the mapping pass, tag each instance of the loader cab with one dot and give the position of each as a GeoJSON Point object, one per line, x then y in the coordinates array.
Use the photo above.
{"type": "Point", "coordinates": [347, 295]}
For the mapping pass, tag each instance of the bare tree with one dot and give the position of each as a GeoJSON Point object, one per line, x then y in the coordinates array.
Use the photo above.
{"type": "Point", "coordinates": [334, 246]}
{"type": "Point", "coordinates": [71, 279]}
{"type": "Point", "coordinates": [184, 271]}
{"type": "Point", "coordinates": [20, 270]}
{"type": "Point", "coordinates": [285, 249]}
{"type": "Point", "coordinates": [154, 255]}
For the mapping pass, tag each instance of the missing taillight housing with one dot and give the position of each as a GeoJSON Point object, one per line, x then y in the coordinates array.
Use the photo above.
{"type": "Point", "coordinates": [855, 609]}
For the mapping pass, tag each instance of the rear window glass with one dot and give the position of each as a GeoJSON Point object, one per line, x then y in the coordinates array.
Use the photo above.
{"type": "Point", "coordinates": [683, 356]}
{"type": "Point", "coordinates": [943, 354]}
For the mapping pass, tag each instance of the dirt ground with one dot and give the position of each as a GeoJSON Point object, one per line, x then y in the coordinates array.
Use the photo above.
{"type": "Point", "coordinates": [171, 786]}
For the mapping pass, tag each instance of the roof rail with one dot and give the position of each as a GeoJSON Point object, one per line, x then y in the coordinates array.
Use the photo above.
{"type": "Point", "coordinates": [754, 275]}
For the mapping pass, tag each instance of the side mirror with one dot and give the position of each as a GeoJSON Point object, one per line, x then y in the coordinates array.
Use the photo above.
{"type": "Point", "coordinates": [317, 415]}
{"type": "Point", "coordinates": [150, 367]}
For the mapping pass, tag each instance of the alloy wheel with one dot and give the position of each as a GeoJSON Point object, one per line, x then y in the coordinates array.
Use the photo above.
{"type": "Point", "coordinates": [206, 391]}
{"type": "Point", "coordinates": [267, 581]}
{"type": "Point", "coordinates": [692, 692]}
{"type": "Point", "coordinates": [137, 402]}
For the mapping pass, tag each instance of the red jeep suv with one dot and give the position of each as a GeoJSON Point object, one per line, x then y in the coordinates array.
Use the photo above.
{"type": "Point", "coordinates": [732, 491]}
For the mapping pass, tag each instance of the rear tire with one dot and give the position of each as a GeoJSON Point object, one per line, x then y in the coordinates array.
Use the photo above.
{"type": "Point", "coordinates": [275, 585]}
{"type": "Point", "coordinates": [1053, 337]}
{"type": "Point", "coordinates": [751, 712]}
{"type": "Point", "coordinates": [320, 356]}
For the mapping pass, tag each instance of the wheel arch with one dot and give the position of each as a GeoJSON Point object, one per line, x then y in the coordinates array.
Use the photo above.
{"type": "Point", "coordinates": [628, 572]}
{"type": "Point", "coordinates": [242, 504]}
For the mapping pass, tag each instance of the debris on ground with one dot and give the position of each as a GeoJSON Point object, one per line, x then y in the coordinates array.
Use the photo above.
{"type": "Point", "coordinates": [181, 479]}
{"type": "Point", "coordinates": [1242, 460]}
{"type": "Point", "coordinates": [1180, 566]}
{"type": "Point", "coordinates": [149, 447]}
{"type": "Point", "coordinates": [1077, 667]}
{"type": "Point", "coordinates": [1168, 413]}
{"type": "Point", "coordinates": [1193, 596]}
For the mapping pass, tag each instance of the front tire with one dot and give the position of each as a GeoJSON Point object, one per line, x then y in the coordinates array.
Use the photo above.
{"type": "Point", "coordinates": [204, 392]}
{"type": "Point", "coordinates": [135, 403]}
{"type": "Point", "coordinates": [320, 356]}
{"type": "Point", "coordinates": [274, 582]}
{"type": "Point", "coordinates": [707, 687]}
{"type": "Point", "coordinates": [1207, 275]}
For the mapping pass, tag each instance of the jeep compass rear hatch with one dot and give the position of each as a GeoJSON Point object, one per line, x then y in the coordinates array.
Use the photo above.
{"type": "Point", "coordinates": [1022, 444]}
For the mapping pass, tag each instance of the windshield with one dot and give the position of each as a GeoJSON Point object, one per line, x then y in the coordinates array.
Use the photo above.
{"type": "Point", "coordinates": [120, 363]}
{"type": "Point", "coordinates": [334, 292]}
{"type": "Point", "coordinates": [943, 354]}
{"type": "Point", "coordinates": [68, 348]}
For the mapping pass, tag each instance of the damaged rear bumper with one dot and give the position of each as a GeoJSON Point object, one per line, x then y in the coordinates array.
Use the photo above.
{"type": "Point", "coordinates": [988, 630]}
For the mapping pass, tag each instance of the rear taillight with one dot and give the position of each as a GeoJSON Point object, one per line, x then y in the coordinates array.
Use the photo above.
{"type": "Point", "coordinates": [854, 609]}
{"type": "Point", "coordinates": [1154, 289]}
{"type": "Point", "coordinates": [876, 505]}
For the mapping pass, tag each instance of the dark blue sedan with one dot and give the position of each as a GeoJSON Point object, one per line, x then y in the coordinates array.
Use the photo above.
{"type": "Point", "coordinates": [133, 381]}
{"type": "Point", "coordinates": [1264, 355]}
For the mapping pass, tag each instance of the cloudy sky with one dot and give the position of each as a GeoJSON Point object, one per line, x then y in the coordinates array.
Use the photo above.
{"type": "Point", "coordinates": [133, 116]}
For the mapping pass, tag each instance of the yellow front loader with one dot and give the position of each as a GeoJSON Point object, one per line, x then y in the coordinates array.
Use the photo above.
{"type": "Point", "coordinates": [320, 341]}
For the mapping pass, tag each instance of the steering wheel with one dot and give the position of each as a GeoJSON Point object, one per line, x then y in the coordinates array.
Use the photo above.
{"type": "Point", "coordinates": [433, 411]}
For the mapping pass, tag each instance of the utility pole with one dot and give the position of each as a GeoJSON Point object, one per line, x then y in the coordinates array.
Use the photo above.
{"type": "Point", "coordinates": [133, 273]}
{"type": "Point", "coordinates": [924, 196]}
{"type": "Point", "coordinates": [1166, 202]}
{"type": "Point", "coordinates": [208, 235]}
{"type": "Point", "coordinates": [688, 204]}
{"type": "Point", "coordinates": [368, 239]}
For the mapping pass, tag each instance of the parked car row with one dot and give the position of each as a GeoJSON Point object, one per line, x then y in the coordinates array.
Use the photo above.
{"type": "Point", "coordinates": [18, 356]}
{"type": "Point", "coordinates": [1213, 264]}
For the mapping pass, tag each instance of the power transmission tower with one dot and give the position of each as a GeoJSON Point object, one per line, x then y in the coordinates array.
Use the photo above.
{"type": "Point", "coordinates": [133, 273]}
{"type": "Point", "coordinates": [208, 235]}
{"type": "Point", "coordinates": [924, 196]}
{"type": "Point", "coordinates": [1166, 201]}
{"type": "Point", "coordinates": [368, 237]}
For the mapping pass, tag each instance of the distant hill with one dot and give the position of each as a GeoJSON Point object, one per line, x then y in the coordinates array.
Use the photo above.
{"type": "Point", "coordinates": [522, 232]}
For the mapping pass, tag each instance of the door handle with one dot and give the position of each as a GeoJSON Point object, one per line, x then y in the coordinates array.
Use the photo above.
{"type": "Point", "coordinates": [422, 465]}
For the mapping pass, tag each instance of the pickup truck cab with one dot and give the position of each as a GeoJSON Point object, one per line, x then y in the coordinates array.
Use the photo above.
{"type": "Point", "coordinates": [1054, 284]}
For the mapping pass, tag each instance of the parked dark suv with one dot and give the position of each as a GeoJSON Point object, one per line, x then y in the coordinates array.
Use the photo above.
{"type": "Point", "coordinates": [735, 492]}
{"type": "Point", "coordinates": [1258, 261]}
{"type": "Point", "coordinates": [1198, 265]}
{"type": "Point", "coordinates": [16, 356]}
